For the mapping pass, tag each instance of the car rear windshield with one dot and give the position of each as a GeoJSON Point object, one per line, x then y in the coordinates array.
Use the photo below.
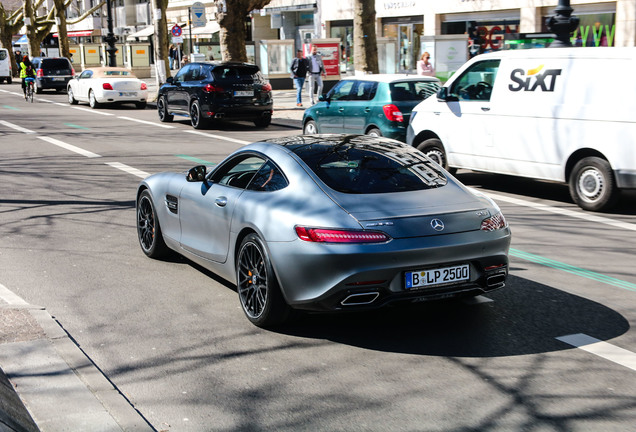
{"type": "Point", "coordinates": [237, 73]}
{"type": "Point", "coordinates": [413, 90]}
{"type": "Point", "coordinates": [55, 64]}
{"type": "Point", "coordinates": [367, 167]}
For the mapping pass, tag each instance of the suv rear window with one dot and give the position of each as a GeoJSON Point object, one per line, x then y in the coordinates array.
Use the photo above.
{"type": "Point", "coordinates": [237, 73]}
{"type": "Point", "coordinates": [412, 90]}
{"type": "Point", "coordinates": [369, 168]}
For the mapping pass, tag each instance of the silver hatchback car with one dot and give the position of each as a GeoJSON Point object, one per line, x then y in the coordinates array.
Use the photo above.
{"type": "Point", "coordinates": [327, 223]}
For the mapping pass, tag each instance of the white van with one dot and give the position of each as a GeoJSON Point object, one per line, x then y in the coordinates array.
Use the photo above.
{"type": "Point", "coordinates": [5, 66]}
{"type": "Point", "coordinates": [562, 114]}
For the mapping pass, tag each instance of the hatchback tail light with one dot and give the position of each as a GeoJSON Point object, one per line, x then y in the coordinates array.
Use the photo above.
{"type": "Point", "coordinates": [392, 113]}
{"type": "Point", "coordinates": [322, 235]}
{"type": "Point", "coordinates": [39, 72]}
{"type": "Point", "coordinates": [494, 222]}
{"type": "Point", "coordinates": [211, 88]}
{"type": "Point", "coordinates": [144, 86]}
{"type": "Point", "coordinates": [107, 86]}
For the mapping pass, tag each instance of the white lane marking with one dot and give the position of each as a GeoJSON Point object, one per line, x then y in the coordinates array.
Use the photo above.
{"type": "Point", "coordinates": [45, 100]}
{"type": "Point", "coordinates": [219, 137]}
{"type": "Point", "coordinates": [564, 212]}
{"type": "Point", "coordinates": [146, 122]}
{"type": "Point", "coordinates": [10, 297]}
{"type": "Point", "coordinates": [5, 91]}
{"type": "Point", "coordinates": [17, 94]}
{"type": "Point", "coordinates": [69, 147]}
{"type": "Point", "coordinates": [60, 104]}
{"type": "Point", "coordinates": [16, 127]}
{"type": "Point", "coordinates": [128, 169]}
{"type": "Point", "coordinates": [602, 349]}
{"type": "Point", "coordinates": [90, 110]}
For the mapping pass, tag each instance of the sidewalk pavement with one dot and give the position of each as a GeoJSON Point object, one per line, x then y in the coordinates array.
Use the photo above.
{"type": "Point", "coordinates": [47, 382]}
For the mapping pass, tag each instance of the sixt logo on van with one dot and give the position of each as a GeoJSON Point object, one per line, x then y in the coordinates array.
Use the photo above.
{"type": "Point", "coordinates": [534, 79]}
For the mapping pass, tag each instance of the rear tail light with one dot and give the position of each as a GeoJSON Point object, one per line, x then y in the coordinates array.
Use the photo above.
{"type": "Point", "coordinates": [392, 113]}
{"type": "Point", "coordinates": [144, 86]}
{"type": "Point", "coordinates": [39, 73]}
{"type": "Point", "coordinates": [266, 87]}
{"type": "Point", "coordinates": [494, 222]}
{"type": "Point", "coordinates": [211, 88]}
{"type": "Point", "coordinates": [73, 71]}
{"type": "Point", "coordinates": [107, 86]}
{"type": "Point", "coordinates": [322, 235]}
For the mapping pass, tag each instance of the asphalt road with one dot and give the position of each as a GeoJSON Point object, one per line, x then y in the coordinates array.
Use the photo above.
{"type": "Point", "coordinates": [173, 339]}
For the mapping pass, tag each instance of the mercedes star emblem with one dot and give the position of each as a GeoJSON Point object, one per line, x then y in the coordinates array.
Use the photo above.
{"type": "Point", "coordinates": [437, 225]}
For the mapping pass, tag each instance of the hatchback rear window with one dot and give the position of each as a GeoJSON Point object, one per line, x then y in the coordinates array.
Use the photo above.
{"type": "Point", "coordinates": [412, 90]}
{"type": "Point", "coordinates": [368, 168]}
{"type": "Point", "coordinates": [237, 73]}
{"type": "Point", "coordinates": [55, 64]}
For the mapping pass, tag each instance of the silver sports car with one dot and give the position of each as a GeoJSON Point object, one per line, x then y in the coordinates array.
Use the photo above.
{"type": "Point", "coordinates": [326, 223]}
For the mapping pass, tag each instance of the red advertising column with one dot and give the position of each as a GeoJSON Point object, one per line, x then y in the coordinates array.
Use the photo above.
{"type": "Point", "coordinates": [329, 49]}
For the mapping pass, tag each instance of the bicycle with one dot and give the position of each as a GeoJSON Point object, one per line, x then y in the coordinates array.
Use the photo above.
{"type": "Point", "coordinates": [28, 96]}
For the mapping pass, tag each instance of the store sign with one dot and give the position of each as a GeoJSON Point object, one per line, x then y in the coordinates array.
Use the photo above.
{"type": "Point", "coordinates": [385, 8]}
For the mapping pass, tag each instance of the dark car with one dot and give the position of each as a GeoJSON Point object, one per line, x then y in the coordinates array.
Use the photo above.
{"type": "Point", "coordinates": [377, 105]}
{"type": "Point", "coordinates": [52, 73]}
{"type": "Point", "coordinates": [209, 91]}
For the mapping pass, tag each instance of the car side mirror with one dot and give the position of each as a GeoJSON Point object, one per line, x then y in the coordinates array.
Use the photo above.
{"type": "Point", "coordinates": [443, 96]}
{"type": "Point", "coordinates": [170, 80]}
{"type": "Point", "coordinates": [197, 174]}
{"type": "Point", "coordinates": [324, 98]}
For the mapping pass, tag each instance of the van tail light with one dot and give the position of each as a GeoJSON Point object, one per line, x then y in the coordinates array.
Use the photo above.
{"type": "Point", "coordinates": [211, 88]}
{"type": "Point", "coordinates": [107, 86]}
{"type": "Point", "coordinates": [392, 113]}
{"type": "Point", "coordinates": [494, 222]}
{"type": "Point", "coordinates": [266, 87]}
{"type": "Point", "coordinates": [39, 72]}
{"type": "Point", "coordinates": [323, 235]}
{"type": "Point", "coordinates": [144, 86]}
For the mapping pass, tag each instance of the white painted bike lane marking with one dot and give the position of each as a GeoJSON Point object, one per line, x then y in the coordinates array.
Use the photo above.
{"type": "Point", "coordinates": [70, 147]}
{"type": "Point", "coordinates": [602, 349]}
{"type": "Point", "coordinates": [128, 169]}
{"type": "Point", "coordinates": [16, 127]}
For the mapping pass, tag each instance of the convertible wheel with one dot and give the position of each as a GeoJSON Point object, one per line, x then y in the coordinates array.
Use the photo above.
{"type": "Point", "coordinates": [148, 229]}
{"type": "Point", "coordinates": [162, 110]}
{"type": "Point", "coordinates": [71, 98]}
{"type": "Point", "coordinates": [92, 101]}
{"type": "Point", "coordinates": [592, 184]}
{"type": "Point", "coordinates": [257, 287]}
{"type": "Point", "coordinates": [196, 118]}
{"type": "Point", "coordinates": [310, 128]}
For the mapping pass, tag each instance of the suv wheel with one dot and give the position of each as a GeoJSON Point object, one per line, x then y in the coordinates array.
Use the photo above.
{"type": "Point", "coordinates": [196, 118]}
{"type": "Point", "coordinates": [162, 110]}
{"type": "Point", "coordinates": [263, 121]}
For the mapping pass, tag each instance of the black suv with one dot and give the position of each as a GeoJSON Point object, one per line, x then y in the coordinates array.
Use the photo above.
{"type": "Point", "coordinates": [52, 73]}
{"type": "Point", "coordinates": [216, 90]}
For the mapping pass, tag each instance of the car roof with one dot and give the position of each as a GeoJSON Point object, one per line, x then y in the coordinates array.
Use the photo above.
{"type": "Point", "coordinates": [389, 78]}
{"type": "Point", "coordinates": [102, 72]}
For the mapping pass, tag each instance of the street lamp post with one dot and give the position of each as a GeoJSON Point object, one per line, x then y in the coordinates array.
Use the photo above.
{"type": "Point", "coordinates": [110, 38]}
{"type": "Point", "coordinates": [562, 24]}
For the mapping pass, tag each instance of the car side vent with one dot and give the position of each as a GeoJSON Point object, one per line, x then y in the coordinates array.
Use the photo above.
{"type": "Point", "coordinates": [172, 203]}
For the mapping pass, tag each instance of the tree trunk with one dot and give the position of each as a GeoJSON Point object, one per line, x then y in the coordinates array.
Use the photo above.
{"type": "Point", "coordinates": [364, 41]}
{"type": "Point", "coordinates": [62, 34]}
{"type": "Point", "coordinates": [10, 25]}
{"type": "Point", "coordinates": [231, 16]}
{"type": "Point", "coordinates": [162, 65]}
{"type": "Point", "coordinates": [31, 29]}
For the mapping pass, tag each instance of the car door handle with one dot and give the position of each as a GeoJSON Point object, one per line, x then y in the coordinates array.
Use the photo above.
{"type": "Point", "coordinates": [437, 112]}
{"type": "Point", "coordinates": [221, 201]}
{"type": "Point", "coordinates": [367, 109]}
{"type": "Point", "coordinates": [485, 108]}
{"type": "Point", "coordinates": [341, 110]}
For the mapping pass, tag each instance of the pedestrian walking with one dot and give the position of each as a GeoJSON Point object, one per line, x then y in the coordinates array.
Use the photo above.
{"type": "Point", "coordinates": [171, 56]}
{"type": "Point", "coordinates": [299, 74]}
{"type": "Point", "coordinates": [316, 72]}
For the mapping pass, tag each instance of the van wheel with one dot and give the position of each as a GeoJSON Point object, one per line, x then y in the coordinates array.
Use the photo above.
{"type": "Point", "coordinates": [434, 149]}
{"type": "Point", "coordinates": [9, 80]}
{"type": "Point", "coordinates": [592, 184]}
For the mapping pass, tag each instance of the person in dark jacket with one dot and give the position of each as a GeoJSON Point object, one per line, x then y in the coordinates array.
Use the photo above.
{"type": "Point", "coordinates": [299, 73]}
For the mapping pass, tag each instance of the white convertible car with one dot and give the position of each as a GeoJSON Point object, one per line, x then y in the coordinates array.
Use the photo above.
{"type": "Point", "coordinates": [102, 85]}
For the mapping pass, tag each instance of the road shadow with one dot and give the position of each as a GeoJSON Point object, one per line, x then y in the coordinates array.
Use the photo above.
{"type": "Point", "coordinates": [533, 188]}
{"type": "Point", "coordinates": [524, 318]}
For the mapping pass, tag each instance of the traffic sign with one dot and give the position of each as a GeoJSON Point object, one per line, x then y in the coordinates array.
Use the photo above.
{"type": "Point", "coordinates": [198, 15]}
{"type": "Point", "coordinates": [176, 30]}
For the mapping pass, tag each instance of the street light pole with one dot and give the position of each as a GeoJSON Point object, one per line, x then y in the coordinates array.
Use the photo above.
{"type": "Point", "coordinates": [562, 24]}
{"type": "Point", "coordinates": [110, 38]}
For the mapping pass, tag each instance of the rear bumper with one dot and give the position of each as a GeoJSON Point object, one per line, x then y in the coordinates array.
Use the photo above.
{"type": "Point", "coordinates": [57, 83]}
{"type": "Point", "coordinates": [252, 111]}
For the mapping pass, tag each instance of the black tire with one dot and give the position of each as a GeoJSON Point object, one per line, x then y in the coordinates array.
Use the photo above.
{"type": "Point", "coordinates": [9, 80]}
{"type": "Point", "coordinates": [263, 121]}
{"type": "Point", "coordinates": [592, 184]}
{"type": "Point", "coordinates": [434, 149]}
{"type": "Point", "coordinates": [148, 228]}
{"type": "Point", "coordinates": [196, 118]}
{"type": "Point", "coordinates": [310, 128]}
{"type": "Point", "coordinates": [38, 90]}
{"type": "Point", "coordinates": [375, 132]}
{"type": "Point", "coordinates": [257, 286]}
{"type": "Point", "coordinates": [71, 97]}
{"type": "Point", "coordinates": [92, 101]}
{"type": "Point", "coordinates": [162, 110]}
{"type": "Point", "coordinates": [140, 105]}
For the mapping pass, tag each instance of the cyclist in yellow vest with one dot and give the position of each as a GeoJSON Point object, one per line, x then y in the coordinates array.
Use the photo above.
{"type": "Point", "coordinates": [26, 71]}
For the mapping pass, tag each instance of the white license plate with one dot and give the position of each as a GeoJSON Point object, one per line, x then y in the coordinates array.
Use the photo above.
{"type": "Point", "coordinates": [244, 93]}
{"type": "Point", "coordinates": [127, 93]}
{"type": "Point", "coordinates": [439, 276]}
{"type": "Point", "coordinates": [58, 79]}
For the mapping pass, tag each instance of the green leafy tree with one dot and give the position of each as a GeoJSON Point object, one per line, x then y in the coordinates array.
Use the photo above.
{"type": "Point", "coordinates": [231, 18]}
